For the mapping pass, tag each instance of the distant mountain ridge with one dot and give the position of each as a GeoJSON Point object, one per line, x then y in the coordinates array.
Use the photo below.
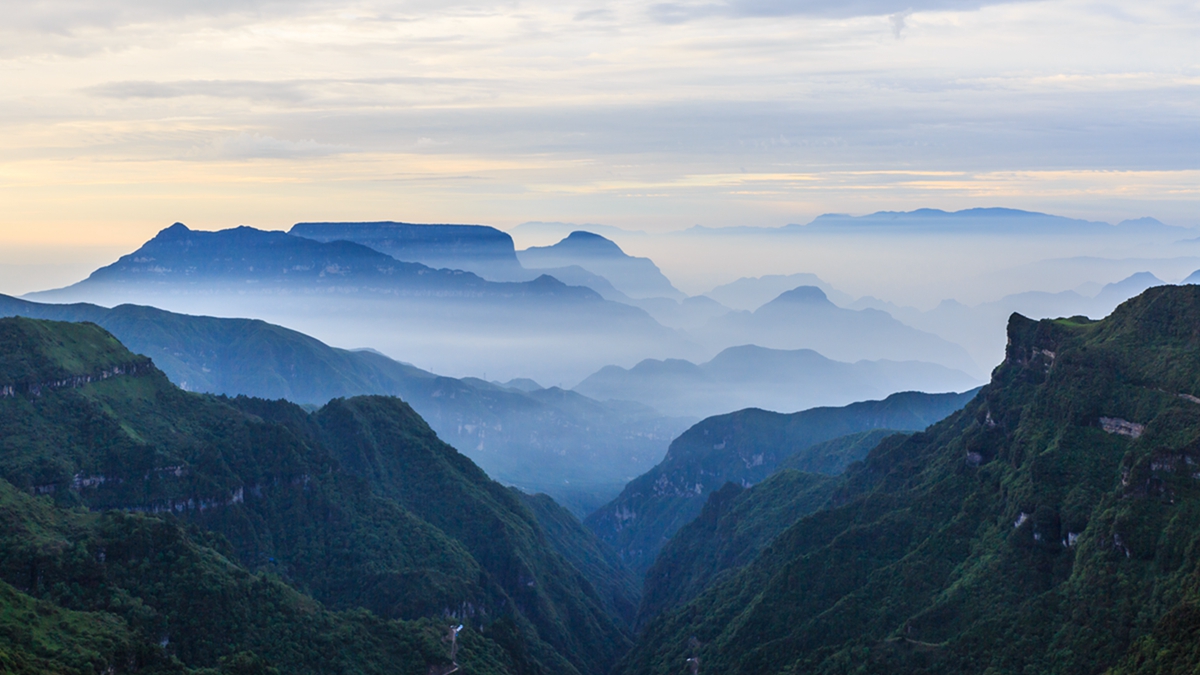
{"type": "Point", "coordinates": [982, 325]}
{"type": "Point", "coordinates": [743, 447]}
{"type": "Point", "coordinates": [581, 451]}
{"type": "Point", "coordinates": [749, 376]}
{"type": "Point", "coordinates": [750, 293]}
{"type": "Point", "coordinates": [180, 256]}
{"type": "Point", "coordinates": [339, 292]}
{"type": "Point", "coordinates": [480, 249]}
{"type": "Point", "coordinates": [1016, 220]}
{"type": "Point", "coordinates": [804, 318]}
{"type": "Point", "coordinates": [636, 277]}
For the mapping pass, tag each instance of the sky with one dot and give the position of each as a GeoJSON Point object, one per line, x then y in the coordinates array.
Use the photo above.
{"type": "Point", "coordinates": [119, 117]}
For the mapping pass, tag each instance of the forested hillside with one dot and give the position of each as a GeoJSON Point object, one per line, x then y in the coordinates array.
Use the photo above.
{"type": "Point", "coordinates": [1051, 526]}
{"type": "Point", "coordinates": [177, 531]}
{"type": "Point", "coordinates": [579, 450]}
{"type": "Point", "coordinates": [745, 447]}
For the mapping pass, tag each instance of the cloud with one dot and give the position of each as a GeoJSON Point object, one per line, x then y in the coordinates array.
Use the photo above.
{"type": "Point", "coordinates": [254, 146]}
{"type": "Point", "coordinates": [63, 17]}
{"type": "Point", "coordinates": [679, 12]}
{"type": "Point", "coordinates": [288, 91]}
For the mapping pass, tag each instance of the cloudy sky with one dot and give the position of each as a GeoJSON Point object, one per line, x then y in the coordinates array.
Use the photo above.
{"type": "Point", "coordinates": [122, 116]}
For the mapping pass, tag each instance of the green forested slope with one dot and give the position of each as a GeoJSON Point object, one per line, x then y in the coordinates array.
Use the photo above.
{"type": "Point", "coordinates": [734, 526]}
{"type": "Point", "coordinates": [579, 449]}
{"type": "Point", "coordinates": [385, 441]}
{"type": "Point", "coordinates": [833, 456]}
{"type": "Point", "coordinates": [597, 561]}
{"type": "Point", "coordinates": [264, 515]}
{"type": "Point", "coordinates": [144, 594]}
{"type": "Point", "coordinates": [1051, 526]}
{"type": "Point", "coordinates": [743, 447]}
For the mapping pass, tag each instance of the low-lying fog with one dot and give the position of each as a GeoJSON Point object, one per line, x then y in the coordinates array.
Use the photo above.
{"type": "Point", "coordinates": [891, 301]}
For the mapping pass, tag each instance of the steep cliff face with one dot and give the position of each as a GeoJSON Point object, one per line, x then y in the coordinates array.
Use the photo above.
{"type": "Point", "coordinates": [1051, 526]}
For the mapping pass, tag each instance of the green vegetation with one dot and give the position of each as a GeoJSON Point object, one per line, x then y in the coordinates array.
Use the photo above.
{"type": "Point", "coordinates": [40, 637]}
{"type": "Point", "coordinates": [831, 457]}
{"type": "Point", "coordinates": [536, 439]}
{"type": "Point", "coordinates": [1051, 526]}
{"type": "Point", "coordinates": [170, 531]}
{"type": "Point", "coordinates": [744, 448]}
{"type": "Point", "coordinates": [613, 581]}
{"type": "Point", "coordinates": [734, 526]}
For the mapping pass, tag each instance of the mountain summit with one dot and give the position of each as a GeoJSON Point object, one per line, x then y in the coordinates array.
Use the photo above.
{"type": "Point", "coordinates": [480, 249]}
{"type": "Point", "coordinates": [635, 277]}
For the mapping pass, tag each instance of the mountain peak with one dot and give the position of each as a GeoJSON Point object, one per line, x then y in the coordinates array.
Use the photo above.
{"type": "Point", "coordinates": [591, 244]}
{"type": "Point", "coordinates": [175, 231]}
{"type": "Point", "coordinates": [807, 295]}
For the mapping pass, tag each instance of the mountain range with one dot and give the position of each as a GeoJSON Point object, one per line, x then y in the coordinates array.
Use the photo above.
{"type": "Point", "coordinates": [750, 293]}
{"type": "Point", "coordinates": [743, 447]}
{"type": "Point", "coordinates": [755, 377]}
{"type": "Point", "coordinates": [456, 323]}
{"type": "Point", "coordinates": [1050, 526]}
{"type": "Point", "coordinates": [981, 327]}
{"type": "Point", "coordinates": [479, 249]}
{"type": "Point", "coordinates": [183, 531]}
{"type": "Point", "coordinates": [635, 277]}
{"type": "Point", "coordinates": [804, 318]}
{"type": "Point", "coordinates": [579, 450]}
{"type": "Point", "coordinates": [344, 293]}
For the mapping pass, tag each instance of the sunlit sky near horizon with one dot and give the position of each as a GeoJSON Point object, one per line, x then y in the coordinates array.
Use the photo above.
{"type": "Point", "coordinates": [121, 116]}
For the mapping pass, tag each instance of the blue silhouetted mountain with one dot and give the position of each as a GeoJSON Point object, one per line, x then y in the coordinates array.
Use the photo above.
{"type": "Point", "coordinates": [636, 277]}
{"type": "Point", "coordinates": [347, 294]}
{"type": "Point", "coordinates": [580, 451]}
{"type": "Point", "coordinates": [981, 327]}
{"type": "Point", "coordinates": [981, 221]}
{"type": "Point", "coordinates": [483, 250]}
{"type": "Point", "coordinates": [743, 447]}
{"type": "Point", "coordinates": [750, 293]}
{"type": "Point", "coordinates": [749, 376]}
{"type": "Point", "coordinates": [804, 318]}
{"type": "Point", "coordinates": [181, 258]}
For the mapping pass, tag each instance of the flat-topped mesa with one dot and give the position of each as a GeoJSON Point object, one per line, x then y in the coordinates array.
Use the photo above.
{"type": "Point", "coordinates": [480, 249]}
